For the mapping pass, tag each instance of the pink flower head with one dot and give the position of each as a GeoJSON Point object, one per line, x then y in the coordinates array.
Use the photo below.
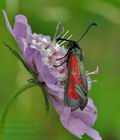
{"type": "Point", "coordinates": [40, 53]}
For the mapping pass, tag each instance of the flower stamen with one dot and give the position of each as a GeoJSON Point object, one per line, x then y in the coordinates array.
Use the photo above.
{"type": "Point", "coordinates": [94, 72]}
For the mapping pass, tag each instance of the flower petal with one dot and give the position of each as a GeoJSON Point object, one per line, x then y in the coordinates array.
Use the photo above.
{"type": "Point", "coordinates": [29, 56]}
{"type": "Point", "coordinates": [93, 134]}
{"type": "Point", "coordinates": [21, 27]}
{"type": "Point", "coordinates": [57, 103]}
{"type": "Point", "coordinates": [90, 106]}
{"type": "Point", "coordinates": [58, 95]}
{"type": "Point", "coordinates": [73, 122]}
{"type": "Point", "coordinates": [45, 75]}
{"type": "Point", "coordinates": [75, 126]}
{"type": "Point", "coordinates": [88, 115]}
{"type": "Point", "coordinates": [55, 88]}
{"type": "Point", "coordinates": [22, 44]}
{"type": "Point", "coordinates": [65, 113]}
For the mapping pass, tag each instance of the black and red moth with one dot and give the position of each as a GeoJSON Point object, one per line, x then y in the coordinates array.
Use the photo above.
{"type": "Point", "coordinates": [76, 88]}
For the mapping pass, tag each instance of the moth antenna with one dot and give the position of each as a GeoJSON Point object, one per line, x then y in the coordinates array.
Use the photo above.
{"type": "Point", "coordinates": [88, 28]}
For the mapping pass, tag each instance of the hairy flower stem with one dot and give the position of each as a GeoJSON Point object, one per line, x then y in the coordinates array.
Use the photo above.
{"type": "Point", "coordinates": [9, 103]}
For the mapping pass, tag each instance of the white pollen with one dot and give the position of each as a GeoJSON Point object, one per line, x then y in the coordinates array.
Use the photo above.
{"type": "Point", "coordinates": [49, 52]}
{"type": "Point", "coordinates": [60, 79]}
{"type": "Point", "coordinates": [43, 46]}
{"type": "Point", "coordinates": [40, 39]}
{"type": "Point", "coordinates": [34, 42]}
{"type": "Point", "coordinates": [34, 35]}
{"type": "Point", "coordinates": [63, 47]}
{"type": "Point", "coordinates": [45, 60]}
{"type": "Point", "coordinates": [45, 40]}
{"type": "Point", "coordinates": [59, 56]}
{"type": "Point", "coordinates": [50, 66]}
{"type": "Point", "coordinates": [57, 63]}
{"type": "Point", "coordinates": [39, 43]}
{"type": "Point", "coordinates": [60, 68]}
{"type": "Point", "coordinates": [57, 47]}
{"type": "Point", "coordinates": [32, 46]}
{"type": "Point", "coordinates": [53, 59]}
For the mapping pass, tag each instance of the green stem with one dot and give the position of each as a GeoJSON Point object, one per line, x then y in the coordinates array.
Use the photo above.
{"type": "Point", "coordinates": [9, 103]}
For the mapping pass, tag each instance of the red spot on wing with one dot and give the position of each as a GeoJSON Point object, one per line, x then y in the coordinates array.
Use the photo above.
{"type": "Point", "coordinates": [74, 77]}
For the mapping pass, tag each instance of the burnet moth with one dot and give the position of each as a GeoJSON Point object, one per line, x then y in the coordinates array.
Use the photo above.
{"type": "Point", "coordinates": [76, 89]}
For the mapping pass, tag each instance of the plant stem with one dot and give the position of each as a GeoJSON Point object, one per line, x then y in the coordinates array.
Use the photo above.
{"type": "Point", "coordinates": [9, 103]}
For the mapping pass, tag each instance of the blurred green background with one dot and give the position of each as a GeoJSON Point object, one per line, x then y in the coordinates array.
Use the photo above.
{"type": "Point", "coordinates": [27, 118]}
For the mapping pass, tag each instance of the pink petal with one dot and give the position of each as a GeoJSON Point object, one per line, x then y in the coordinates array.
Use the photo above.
{"type": "Point", "coordinates": [58, 104]}
{"type": "Point", "coordinates": [44, 72]}
{"type": "Point", "coordinates": [93, 134]}
{"type": "Point", "coordinates": [88, 115]}
{"type": "Point", "coordinates": [75, 126]}
{"type": "Point", "coordinates": [21, 27]}
{"type": "Point", "coordinates": [52, 93]}
{"type": "Point", "coordinates": [65, 113]}
{"type": "Point", "coordinates": [55, 88]}
{"type": "Point", "coordinates": [29, 55]}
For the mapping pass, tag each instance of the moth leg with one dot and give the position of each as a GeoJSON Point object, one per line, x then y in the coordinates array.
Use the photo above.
{"type": "Point", "coordinates": [64, 39]}
{"type": "Point", "coordinates": [61, 63]}
{"type": "Point", "coordinates": [64, 56]}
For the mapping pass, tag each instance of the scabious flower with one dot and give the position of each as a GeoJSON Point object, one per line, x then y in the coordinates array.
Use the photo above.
{"type": "Point", "coordinates": [39, 53]}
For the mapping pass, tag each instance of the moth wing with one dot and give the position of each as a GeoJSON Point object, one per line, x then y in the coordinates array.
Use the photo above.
{"type": "Point", "coordinates": [83, 98]}
{"type": "Point", "coordinates": [84, 84]}
{"type": "Point", "coordinates": [72, 97]}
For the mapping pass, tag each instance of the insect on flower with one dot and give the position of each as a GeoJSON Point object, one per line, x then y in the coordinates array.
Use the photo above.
{"type": "Point", "coordinates": [76, 89]}
{"type": "Point", "coordinates": [38, 53]}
